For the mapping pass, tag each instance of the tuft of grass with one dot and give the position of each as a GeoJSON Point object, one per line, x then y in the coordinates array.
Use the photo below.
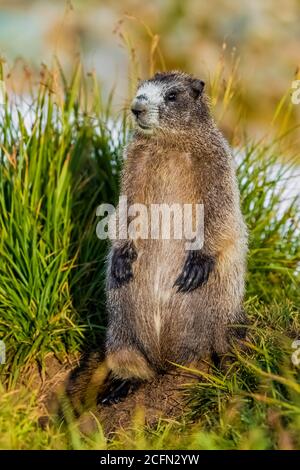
{"type": "Point", "coordinates": [272, 213]}
{"type": "Point", "coordinates": [53, 174]}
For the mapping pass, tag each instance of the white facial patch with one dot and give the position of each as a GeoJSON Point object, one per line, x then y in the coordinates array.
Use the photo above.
{"type": "Point", "coordinates": [148, 98]}
{"type": "Point", "coordinates": [153, 93]}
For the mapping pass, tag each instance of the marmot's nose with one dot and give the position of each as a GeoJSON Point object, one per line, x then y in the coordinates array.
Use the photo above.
{"type": "Point", "coordinates": [138, 108]}
{"type": "Point", "coordinates": [136, 112]}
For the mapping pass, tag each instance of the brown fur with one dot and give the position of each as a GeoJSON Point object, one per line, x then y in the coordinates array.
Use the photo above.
{"type": "Point", "coordinates": [188, 162]}
{"type": "Point", "coordinates": [128, 363]}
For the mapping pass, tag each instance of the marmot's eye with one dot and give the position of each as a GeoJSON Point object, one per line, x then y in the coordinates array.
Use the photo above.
{"type": "Point", "coordinates": [171, 96]}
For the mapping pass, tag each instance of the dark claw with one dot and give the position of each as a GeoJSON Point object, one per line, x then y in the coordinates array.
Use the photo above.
{"type": "Point", "coordinates": [118, 390]}
{"type": "Point", "coordinates": [196, 271]}
{"type": "Point", "coordinates": [121, 264]}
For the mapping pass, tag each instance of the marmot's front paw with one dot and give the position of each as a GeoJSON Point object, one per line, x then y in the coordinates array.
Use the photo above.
{"type": "Point", "coordinates": [196, 271]}
{"type": "Point", "coordinates": [121, 264]}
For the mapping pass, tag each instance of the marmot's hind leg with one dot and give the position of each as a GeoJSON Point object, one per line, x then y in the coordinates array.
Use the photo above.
{"type": "Point", "coordinates": [128, 369]}
{"type": "Point", "coordinates": [117, 390]}
{"type": "Point", "coordinates": [127, 363]}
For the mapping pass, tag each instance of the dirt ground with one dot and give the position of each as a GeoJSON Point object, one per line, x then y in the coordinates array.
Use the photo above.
{"type": "Point", "coordinates": [72, 390]}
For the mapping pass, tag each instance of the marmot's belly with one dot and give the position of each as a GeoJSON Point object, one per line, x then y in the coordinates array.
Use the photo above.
{"type": "Point", "coordinates": [163, 318]}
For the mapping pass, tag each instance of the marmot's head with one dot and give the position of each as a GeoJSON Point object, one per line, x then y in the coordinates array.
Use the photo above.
{"type": "Point", "coordinates": [169, 101]}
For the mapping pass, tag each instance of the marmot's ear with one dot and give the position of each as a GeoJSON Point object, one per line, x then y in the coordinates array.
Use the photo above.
{"type": "Point", "coordinates": [197, 87]}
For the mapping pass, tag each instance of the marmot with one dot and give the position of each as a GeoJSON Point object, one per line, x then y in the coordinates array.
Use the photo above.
{"type": "Point", "coordinates": [167, 305]}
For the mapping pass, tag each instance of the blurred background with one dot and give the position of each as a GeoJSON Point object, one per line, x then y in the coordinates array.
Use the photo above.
{"type": "Point", "coordinates": [253, 46]}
